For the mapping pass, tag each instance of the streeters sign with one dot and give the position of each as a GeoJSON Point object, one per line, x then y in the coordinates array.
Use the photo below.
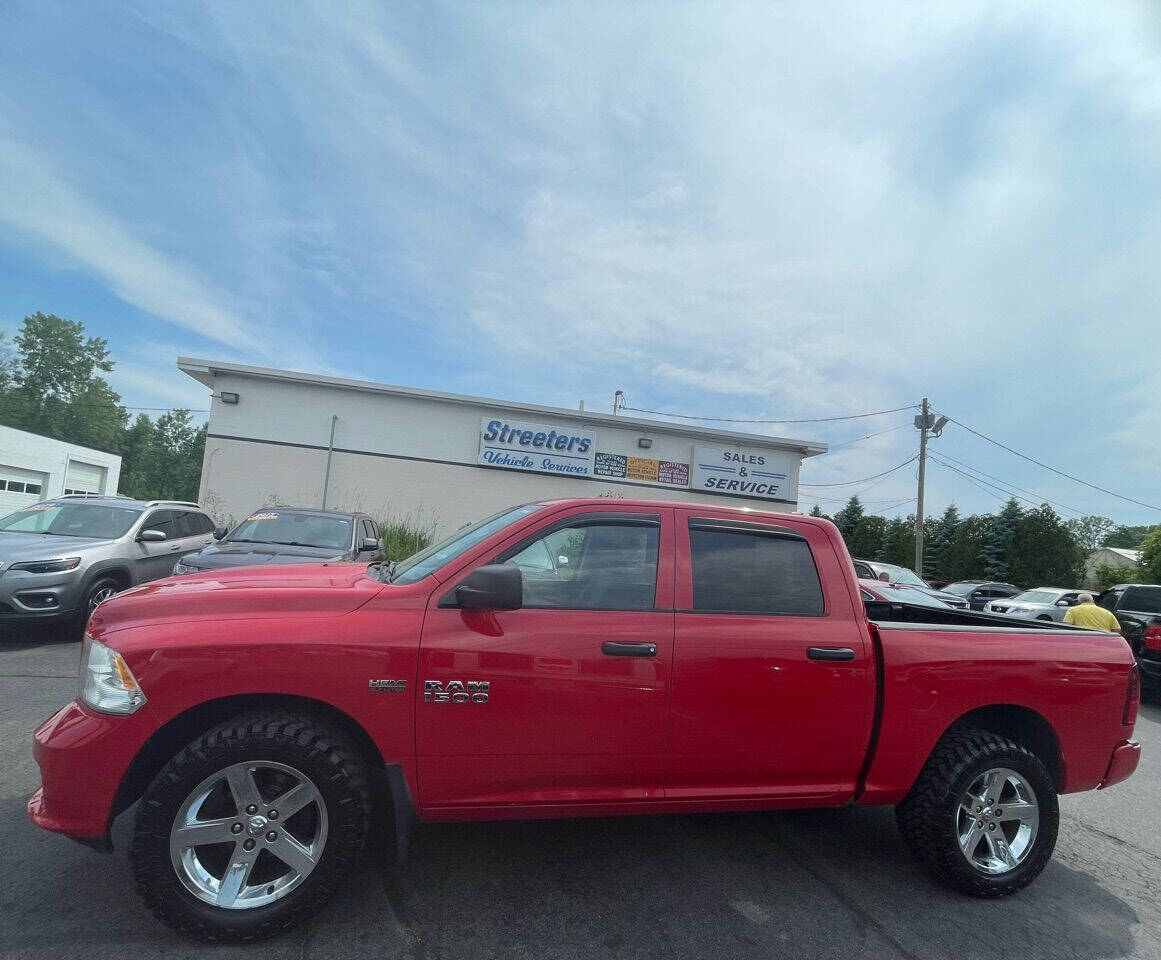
{"type": "Point", "coordinates": [539, 447]}
{"type": "Point", "coordinates": [764, 474]}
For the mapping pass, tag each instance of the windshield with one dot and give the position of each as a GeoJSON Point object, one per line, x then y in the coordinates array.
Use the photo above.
{"type": "Point", "coordinates": [907, 595]}
{"type": "Point", "coordinates": [294, 529]}
{"type": "Point", "coordinates": [961, 589]}
{"type": "Point", "coordinates": [900, 574]}
{"type": "Point", "coordinates": [1038, 596]}
{"type": "Point", "coordinates": [419, 565]}
{"type": "Point", "coordinates": [67, 519]}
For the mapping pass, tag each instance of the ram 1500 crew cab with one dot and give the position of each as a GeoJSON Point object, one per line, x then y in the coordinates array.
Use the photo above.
{"type": "Point", "coordinates": [564, 659]}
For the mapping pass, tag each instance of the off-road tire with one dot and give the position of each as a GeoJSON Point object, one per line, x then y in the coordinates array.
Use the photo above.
{"type": "Point", "coordinates": [308, 745]}
{"type": "Point", "coordinates": [926, 816]}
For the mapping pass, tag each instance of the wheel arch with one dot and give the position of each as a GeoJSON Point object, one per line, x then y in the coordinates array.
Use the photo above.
{"type": "Point", "coordinates": [1020, 724]}
{"type": "Point", "coordinates": [177, 732]}
{"type": "Point", "coordinates": [116, 569]}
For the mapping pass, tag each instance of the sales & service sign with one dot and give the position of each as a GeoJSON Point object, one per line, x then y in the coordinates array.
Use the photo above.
{"type": "Point", "coordinates": [539, 447]}
{"type": "Point", "coordinates": [762, 474]}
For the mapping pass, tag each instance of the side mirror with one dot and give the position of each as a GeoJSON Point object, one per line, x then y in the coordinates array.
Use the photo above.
{"type": "Point", "coordinates": [1063, 603]}
{"type": "Point", "coordinates": [368, 543]}
{"type": "Point", "coordinates": [220, 532]}
{"type": "Point", "coordinates": [151, 536]}
{"type": "Point", "coordinates": [497, 586]}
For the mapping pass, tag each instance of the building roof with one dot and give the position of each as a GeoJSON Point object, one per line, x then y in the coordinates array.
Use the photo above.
{"type": "Point", "coordinates": [1131, 555]}
{"type": "Point", "coordinates": [204, 371]}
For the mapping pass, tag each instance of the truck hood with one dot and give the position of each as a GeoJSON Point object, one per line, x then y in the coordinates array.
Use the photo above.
{"type": "Point", "coordinates": [225, 555]}
{"type": "Point", "coordinates": [248, 593]}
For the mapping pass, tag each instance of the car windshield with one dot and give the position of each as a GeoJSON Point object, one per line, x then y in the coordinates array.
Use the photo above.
{"type": "Point", "coordinates": [908, 595]}
{"type": "Point", "coordinates": [419, 565]}
{"type": "Point", "coordinates": [900, 574]}
{"type": "Point", "coordinates": [71, 519]}
{"type": "Point", "coordinates": [293, 528]}
{"type": "Point", "coordinates": [1038, 596]}
{"type": "Point", "coordinates": [961, 589]}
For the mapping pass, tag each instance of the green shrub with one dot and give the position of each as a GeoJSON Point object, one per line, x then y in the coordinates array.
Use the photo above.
{"type": "Point", "coordinates": [402, 538]}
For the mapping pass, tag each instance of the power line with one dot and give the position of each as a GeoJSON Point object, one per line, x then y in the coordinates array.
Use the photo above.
{"type": "Point", "coordinates": [1069, 476]}
{"type": "Point", "coordinates": [850, 483]}
{"type": "Point", "coordinates": [689, 416]}
{"type": "Point", "coordinates": [1041, 499]}
{"type": "Point", "coordinates": [1002, 494]}
{"type": "Point", "coordinates": [879, 433]}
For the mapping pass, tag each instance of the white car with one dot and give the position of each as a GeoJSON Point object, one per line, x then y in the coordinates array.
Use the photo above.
{"type": "Point", "coordinates": [1043, 603]}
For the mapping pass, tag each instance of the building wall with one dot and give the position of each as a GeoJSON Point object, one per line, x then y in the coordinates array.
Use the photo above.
{"type": "Point", "coordinates": [28, 457]}
{"type": "Point", "coordinates": [401, 456]}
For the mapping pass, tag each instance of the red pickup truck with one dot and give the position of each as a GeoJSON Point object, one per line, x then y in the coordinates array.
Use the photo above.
{"type": "Point", "coordinates": [564, 659]}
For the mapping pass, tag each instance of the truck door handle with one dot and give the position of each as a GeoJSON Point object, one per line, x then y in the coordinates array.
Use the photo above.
{"type": "Point", "coordinates": [830, 653]}
{"type": "Point", "coordinates": [612, 648]}
{"type": "Point", "coordinates": [176, 546]}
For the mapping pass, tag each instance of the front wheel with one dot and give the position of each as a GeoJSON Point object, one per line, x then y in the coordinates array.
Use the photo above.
{"type": "Point", "coordinates": [983, 814]}
{"type": "Point", "coordinates": [251, 828]}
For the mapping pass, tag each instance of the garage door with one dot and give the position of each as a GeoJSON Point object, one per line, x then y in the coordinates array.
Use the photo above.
{"type": "Point", "coordinates": [84, 478]}
{"type": "Point", "coordinates": [18, 488]}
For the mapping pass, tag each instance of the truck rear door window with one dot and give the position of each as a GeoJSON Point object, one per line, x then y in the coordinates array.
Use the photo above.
{"type": "Point", "coordinates": [1142, 599]}
{"type": "Point", "coordinates": [744, 571]}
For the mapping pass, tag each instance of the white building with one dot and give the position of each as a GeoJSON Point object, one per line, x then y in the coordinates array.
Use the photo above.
{"type": "Point", "coordinates": [34, 468]}
{"type": "Point", "coordinates": [1115, 557]}
{"type": "Point", "coordinates": [442, 460]}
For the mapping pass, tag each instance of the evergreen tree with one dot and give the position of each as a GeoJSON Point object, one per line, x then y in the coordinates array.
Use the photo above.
{"type": "Point", "coordinates": [864, 542]}
{"type": "Point", "coordinates": [963, 558]}
{"type": "Point", "coordinates": [1003, 529]}
{"type": "Point", "coordinates": [935, 551]}
{"type": "Point", "coordinates": [816, 511]}
{"type": "Point", "coordinates": [848, 518]}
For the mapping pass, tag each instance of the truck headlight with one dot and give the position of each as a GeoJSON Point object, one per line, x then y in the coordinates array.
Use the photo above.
{"type": "Point", "coordinates": [179, 568]}
{"type": "Point", "coordinates": [48, 566]}
{"type": "Point", "coordinates": [106, 682]}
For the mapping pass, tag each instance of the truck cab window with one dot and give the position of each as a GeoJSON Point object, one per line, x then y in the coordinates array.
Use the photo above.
{"type": "Point", "coordinates": [591, 566]}
{"type": "Point", "coordinates": [737, 571]}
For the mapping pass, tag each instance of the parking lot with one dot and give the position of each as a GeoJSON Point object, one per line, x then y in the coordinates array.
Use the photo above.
{"type": "Point", "coordinates": [802, 884]}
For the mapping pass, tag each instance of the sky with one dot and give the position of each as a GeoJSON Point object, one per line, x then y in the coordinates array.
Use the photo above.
{"type": "Point", "coordinates": [755, 211]}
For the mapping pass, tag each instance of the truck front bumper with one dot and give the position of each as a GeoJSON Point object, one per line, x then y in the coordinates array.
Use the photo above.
{"type": "Point", "coordinates": [1126, 756]}
{"type": "Point", "coordinates": [83, 757]}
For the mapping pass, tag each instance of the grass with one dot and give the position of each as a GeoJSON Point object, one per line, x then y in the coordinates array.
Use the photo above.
{"type": "Point", "coordinates": [402, 538]}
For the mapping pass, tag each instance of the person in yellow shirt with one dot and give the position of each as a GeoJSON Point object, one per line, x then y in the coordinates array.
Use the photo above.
{"type": "Point", "coordinates": [1088, 614]}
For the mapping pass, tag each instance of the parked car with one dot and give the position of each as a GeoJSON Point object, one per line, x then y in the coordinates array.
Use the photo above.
{"type": "Point", "coordinates": [60, 558]}
{"type": "Point", "coordinates": [874, 589]}
{"type": "Point", "coordinates": [871, 569]}
{"type": "Point", "coordinates": [1136, 606]}
{"type": "Point", "coordinates": [696, 658]}
{"type": "Point", "coordinates": [1043, 603]}
{"type": "Point", "coordinates": [979, 592]}
{"type": "Point", "coordinates": [289, 535]}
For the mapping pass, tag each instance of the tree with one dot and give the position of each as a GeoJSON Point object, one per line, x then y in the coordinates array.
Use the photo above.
{"type": "Point", "coordinates": [1090, 532]}
{"type": "Point", "coordinates": [136, 442]}
{"type": "Point", "coordinates": [1149, 566]}
{"type": "Point", "coordinates": [816, 511]}
{"type": "Point", "coordinates": [1106, 575]}
{"type": "Point", "coordinates": [848, 518]}
{"type": "Point", "coordinates": [963, 558]}
{"type": "Point", "coordinates": [867, 536]}
{"type": "Point", "coordinates": [1127, 538]}
{"type": "Point", "coordinates": [934, 554]}
{"type": "Point", "coordinates": [54, 388]}
{"type": "Point", "coordinates": [1003, 529]}
{"type": "Point", "coordinates": [1043, 552]}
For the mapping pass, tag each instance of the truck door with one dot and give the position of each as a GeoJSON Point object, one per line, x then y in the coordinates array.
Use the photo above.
{"type": "Point", "coordinates": [577, 681]}
{"type": "Point", "coordinates": [772, 684]}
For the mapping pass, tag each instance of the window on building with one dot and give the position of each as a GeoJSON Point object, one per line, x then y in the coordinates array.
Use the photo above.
{"type": "Point", "coordinates": [17, 486]}
{"type": "Point", "coordinates": [751, 571]}
{"type": "Point", "coordinates": [591, 566]}
{"type": "Point", "coordinates": [32, 488]}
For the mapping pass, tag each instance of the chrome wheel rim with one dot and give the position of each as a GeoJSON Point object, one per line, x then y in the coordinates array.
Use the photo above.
{"type": "Point", "coordinates": [248, 835]}
{"type": "Point", "coordinates": [97, 597]}
{"type": "Point", "coordinates": [996, 821]}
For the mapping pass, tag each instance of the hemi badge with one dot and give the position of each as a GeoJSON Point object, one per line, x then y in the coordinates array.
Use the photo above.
{"type": "Point", "coordinates": [387, 686]}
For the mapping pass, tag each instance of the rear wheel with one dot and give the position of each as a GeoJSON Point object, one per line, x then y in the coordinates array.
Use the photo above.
{"type": "Point", "coordinates": [983, 814]}
{"type": "Point", "coordinates": [251, 828]}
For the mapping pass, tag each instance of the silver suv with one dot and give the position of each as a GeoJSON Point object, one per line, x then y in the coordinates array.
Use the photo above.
{"type": "Point", "coordinates": [60, 558]}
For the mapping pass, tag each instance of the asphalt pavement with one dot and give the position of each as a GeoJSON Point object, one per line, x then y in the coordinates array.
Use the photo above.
{"type": "Point", "coordinates": [826, 884]}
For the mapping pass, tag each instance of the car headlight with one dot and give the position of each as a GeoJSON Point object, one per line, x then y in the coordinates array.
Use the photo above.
{"type": "Point", "coordinates": [106, 682]}
{"type": "Point", "coordinates": [180, 567]}
{"type": "Point", "coordinates": [48, 566]}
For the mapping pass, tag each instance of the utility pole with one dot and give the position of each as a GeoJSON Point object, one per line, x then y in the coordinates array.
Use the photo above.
{"type": "Point", "coordinates": [923, 422]}
{"type": "Point", "coordinates": [618, 401]}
